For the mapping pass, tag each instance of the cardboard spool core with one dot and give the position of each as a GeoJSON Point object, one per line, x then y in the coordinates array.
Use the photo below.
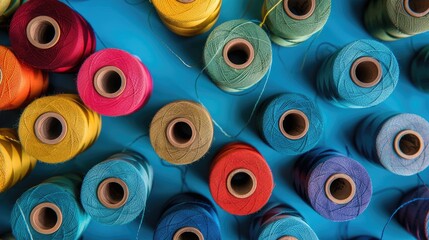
{"type": "Point", "coordinates": [43, 32]}
{"type": "Point", "coordinates": [113, 193]}
{"type": "Point", "coordinates": [294, 124]}
{"type": "Point", "coordinates": [409, 144]}
{"type": "Point", "coordinates": [188, 233]}
{"type": "Point", "coordinates": [110, 81]}
{"type": "Point", "coordinates": [46, 218]}
{"type": "Point", "coordinates": [241, 183]}
{"type": "Point", "coordinates": [50, 128]}
{"type": "Point", "coordinates": [181, 133]}
{"type": "Point", "coordinates": [288, 238]}
{"type": "Point", "coordinates": [238, 53]}
{"type": "Point", "coordinates": [366, 72]}
{"type": "Point", "coordinates": [185, 1]}
{"type": "Point", "coordinates": [299, 9]}
{"type": "Point", "coordinates": [340, 188]}
{"type": "Point", "coordinates": [416, 8]}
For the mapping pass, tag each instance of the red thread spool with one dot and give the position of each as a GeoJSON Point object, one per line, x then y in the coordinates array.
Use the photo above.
{"type": "Point", "coordinates": [113, 82]}
{"type": "Point", "coordinates": [240, 179]}
{"type": "Point", "coordinates": [49, 35]}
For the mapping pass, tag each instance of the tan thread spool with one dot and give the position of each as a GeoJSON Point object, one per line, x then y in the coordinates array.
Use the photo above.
{"type": "Point", "coordinates": [110, 81]}
{"type": "Point", "coordinates": [416, 8]}
{"type": "Point", "coordinates": [366, 72]}
{"type": "Point", "coordinates": [46, 218]}
{"type": "Point", "coordinates": [185, 1]}
{"type": "Point", "coordinates": [43, 32]}
{"type": "Point", "coordinates": [299, 9]}
{"type": "Point", "coordinates": [181, 133]}
{"type": "Point", "coordinates": [238, 47]}
{"type": "Point", "coordinates": [50, 128]}
{"type": "Point", "coordinates": [188, 233]}
{"type": "Point", "coordinates": [408, 144]}
{"type": "Point", "coordinates": [294, 124]}
{"type": "Point", "coordinates": [340, 188]}
{"type": "Point", "coordinates": [113, 193]}
{"type": "Point", "coordinates": [244, 187]}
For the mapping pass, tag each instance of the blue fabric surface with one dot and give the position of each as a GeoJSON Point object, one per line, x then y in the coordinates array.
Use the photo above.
{"type": "Point", "coordinates": [133, 25]}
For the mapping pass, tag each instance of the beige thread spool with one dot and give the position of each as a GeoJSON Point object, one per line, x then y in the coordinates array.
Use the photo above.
{"type": "Point", "coordinates": [50, 128]}
{"type": "Point", "coordinates": [181, 133]}
{"type": "Point", "coordinates": [110, 81]}
{"type": "Point", "coordinates": [113, 193]}
{"type": "Point", "coordinates": [408, 144]}
{"type": "Point", "coordinates": [43, 32]}
{"type": "Point", "coordinates": [340, 188]}
{"type": "Point", "coordinates": [366, 72]}
{"type": "Point", "coordinates": [46, 218]}
{"type": "Point", "coordinates": [241, 183]}
{"type": "Point", "coordinates": [294, 124]}
{"type": "Point", "coordinates": [416, 8]}
{"type": "Point", "coordinates": [188, 233]}
{"type": "Point", "coordinates": [299, 9]}
{"type": "Point", "coordinates": [241, 48]}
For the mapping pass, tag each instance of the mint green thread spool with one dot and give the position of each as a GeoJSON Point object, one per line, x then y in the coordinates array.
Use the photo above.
{"type": "Point", "coordinates": [390, 20]}
{"type": "Point", "coordinates": [294, 21]}
{"type": "Point", "coordinates": [237, 55]}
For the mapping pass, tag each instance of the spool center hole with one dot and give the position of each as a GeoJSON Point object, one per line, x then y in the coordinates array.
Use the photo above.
{"type": "Point", "coordinates": [44, 32]}
{"type": "Point", "coordinates": [242, 183]}
{"type": "Point", "coordinates": [294, 124]}
{"type": "Point", "coordinates": [300, 7]}
{"type": "Point", "coordinates": [188, 236]}
{"type": "Point", "coordinates": [182, 132]}
{"type": "Point", "coordinates": [47, 218]}
{"type": "Point", "coordinates": [340, 189]}
{"type": "Point", "coordinates": [114, 193]}
{"type": "Point", "coordinates": [367, 72]}
{"type": "Point", "coordinates": [239, 54]}
{"type": "Point", "coordinates": [409, 144]}
{"type": "Point", "coordinates": [419, 6]}
{"type": "Point", "coordinates": [110, 82]}
{"type": "Point", "coordinates": [51, 128]}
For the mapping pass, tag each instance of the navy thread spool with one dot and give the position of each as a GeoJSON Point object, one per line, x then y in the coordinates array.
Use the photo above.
{"type": "Point", "coordinates": [115, 191]}
{"type": "Point", "coordinates": [335, 186]}
{"type": "Point", "coordinates": [360, 75]}
{"type": "Point", "coordinates": [50, 210]}
{"type": "Point", "coordinates": [291, 123]}
{"type": "Point", "coordinates": [419, 72]}
{"type": "Point", "coordinates": [398, 142]}
{"type": "Point", "coordinates": [414, 216]}
{"type": "Point", "coordinates": [188, 216]}
{"type": "Point", "coordinates": [280, 221]}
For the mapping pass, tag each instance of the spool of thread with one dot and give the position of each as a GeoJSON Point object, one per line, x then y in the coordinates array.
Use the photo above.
{"type": "Point", "coordinates": [19, 83]}
{"type": "Point", "coordinates": [395, 19]}
{"type": "Point", "coordinates": [335, 186]}
{"type": "Point", "coordinates": [398, 142]}
{"type": "Point", "coordinates": [15, 164]}
{"type": "Point", "coordinates": [280, 222]}
{"type": "Point", "coordinates": [414, 216]}
{"type": "Point", "coordinates": [50, 210]}
{"type": "Point", "coordinates": [113, 82]}
{"type": "Point", "coordinates": [115, 191]}
{"type": "Point", "coordinates": [419, 73]}
{"type": "Point", "coordinates": [55, 129]}
{"type": "Point", "coordinates": [181, 132]}
{"type": "Point", "coordinates": [360, 75]}
{"type": "Point", "coordinates": [237, 55]}
{"type": "Point", "coordinates": [292, 22]}
{"type": "Point", "coordinates": [8, 8]}
{"type": "Point", "coordinates": [188, 216]}
{"type": "Point", "coordinates": [240, 179]}
{"type": "Point", "coordinates": [291, 123]}
{"type": "Point", "coordinates": [49, 35]}
{"type": "Point", "coordinates": [188, 17]}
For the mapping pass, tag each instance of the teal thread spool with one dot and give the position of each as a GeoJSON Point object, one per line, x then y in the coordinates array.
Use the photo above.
{"type": "Point", "coordinates": [294, 21]}
{"type": "Point", "coordinates": [237, 55]}
{"type": "Point", "coordinates": [419, 70]}
{"type": "Point", "coordinates": [390, 20]}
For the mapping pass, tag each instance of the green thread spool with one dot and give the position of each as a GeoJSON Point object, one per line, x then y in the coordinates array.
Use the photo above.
{"type": "Point", "coordinates": [419, 70]}
{"type": "Point", "coordinates": [390, 20]}
{"type": "Point", "coordinates": [295, 21]}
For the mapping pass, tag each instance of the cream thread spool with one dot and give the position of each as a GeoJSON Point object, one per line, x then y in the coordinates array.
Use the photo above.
{"type": "Point", "coordinates": [181, 133]}
{"type": "Point", "coordinates": [50, 128]}
{"type": "Point", "coordinates": [113, 193]}
{"type": "Point", "coordinates": [110, 81]}
{"type": "Point", "coordinates": [340, 188]}
{"type": "Point", "coordinates": [241, 183]}
{"type": "Point", "coordinates": [366, 72]}
{"type": "Point", "coordinates": [188, 233]}
{"type": "Point", "coordinates": [43, 32]}
{"type": "Point", "coordinates": [409, 144]}
{"type": "Point", "coordinates": [46, 218]}
{"type": "Point", "coordinates": [238, 53]}
{"type": "Point", "coordinates": [294, 124]}
{"type": "Point", "coordinates": [299, 9]}
{"type": "Point", "coordinates": [416, 8]}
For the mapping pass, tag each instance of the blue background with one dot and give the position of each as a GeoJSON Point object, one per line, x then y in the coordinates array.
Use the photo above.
{"type": "Point", "coordinates": [134, 26]}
